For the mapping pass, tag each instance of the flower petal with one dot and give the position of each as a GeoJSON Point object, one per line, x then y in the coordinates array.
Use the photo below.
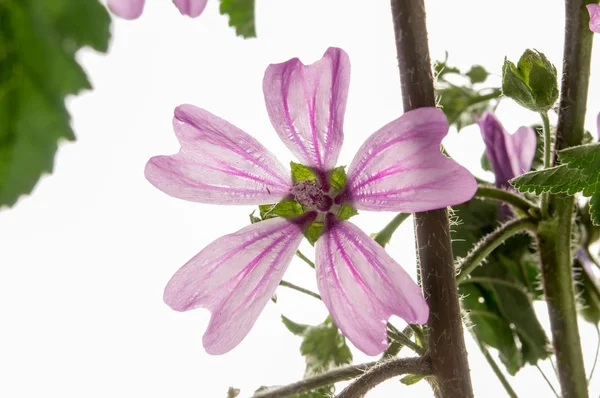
{"type": "Point", "coordinates": [306, 104]}
{"type": "Point", "coordinates": [127, 9]}
{"type": "Point", "coordinates": [509, 155]}
{"type": "Point", "coordinates": [362, 286]}
{"type": "Point", "coordinates": [594, 10]}
{"type": "Point", "coordinates": [234, 277]}
{"type": "Point", "coordinates": [524, 145]}
{"type": "Point", "coordinates": [191, 8]}
{"type": "Point", "coordinates": [401, 168]}
{"type": "Point", "coordinates": [217, 163]}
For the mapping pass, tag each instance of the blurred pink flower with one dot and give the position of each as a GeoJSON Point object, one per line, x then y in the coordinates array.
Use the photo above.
{"type": "Point", "coordinates": [594, 10]}
{"type": "Point", "coordinates": [132, 9]}
{"type": "Point", "coordinates": [399, 168]}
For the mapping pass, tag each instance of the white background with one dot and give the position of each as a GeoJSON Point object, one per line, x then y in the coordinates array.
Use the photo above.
{"type": "Point", "coordinates": [83, 262]}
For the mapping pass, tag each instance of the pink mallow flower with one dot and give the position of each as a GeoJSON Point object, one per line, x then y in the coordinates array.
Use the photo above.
{"type": "Point", "coordinates": [132, 9]}
{"type": "Point", "coordinates": [399, 168]}
{"type": "Point", "coordinates": [594, 10]}
{"type": "Point", "coordinates": [509, 154]}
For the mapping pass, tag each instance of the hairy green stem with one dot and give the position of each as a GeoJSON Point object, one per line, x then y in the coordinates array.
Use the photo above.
{"type": "Point", "coordinates": [432, 229]}
{"type": "Point", "coordinates": [490, 242]}
{"type": "Point", "coordinates": [383, 237]}
{"type": "Point", "coordinates": [554, 233]}
{"type": "Point", "coordinates": [502, 195]}
{"type": "Point", "coordinates": [547, 159]}
{"type": "Point", "coordinates": [385, 370]}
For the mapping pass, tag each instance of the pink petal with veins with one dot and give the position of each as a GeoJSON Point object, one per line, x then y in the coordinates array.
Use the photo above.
{"type": "Point", "coordinates": [594, 10]}
{"type": "Point", "coordinates": [401, 168]}
{"type": "Point", "coordinates": [234, 277]}
{"type": "Point", "coordinates": [217, 163]}
{"type": "Point", "coordinates": [191, 8]}
{"type": "Point", "coordinates": [127, 9]}
{"type": "Point", "coordinates": [362, 286]}
{"type": "Point", "coordinates": [306, 104]}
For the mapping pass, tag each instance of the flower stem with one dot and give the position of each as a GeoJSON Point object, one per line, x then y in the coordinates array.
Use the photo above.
{"type": "Point", "coordinates": [383, 237]}
{"type": "Point", "coordinates": [497, 371]}
{"type": "Point", "coordinates": [502, 195]}
{"type": "Point", "coordinates": [445, 330]}
{"type": "Point", "coordinates": [384, 371]}
{"type": "Point", "coordinates": [305, 259]}
{"type": "Point", "coordinates": [554, 233]}
{"type": "Point", "coordinates": [547, 159]}
{"type": "Point", "coordinates": [490, 242]}
{"type": "Point", "coordinates": [400, 366]}
{"type": "Point", "coordinates": [299, 289]}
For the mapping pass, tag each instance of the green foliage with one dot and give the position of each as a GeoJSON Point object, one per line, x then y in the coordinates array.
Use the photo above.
{"type": "Point", "coordinates": [461, 103]}
{"type": "Point", "coordinates": [532, 83]}
{"type": "Point", "coordinates": [346, 212]}
{"type": "Point", "coordinates": [323, 346]}
{"type": "Point", "coordinates": [411, 379]}
{"type": "Point", "coordinates": [498, 295]}
{"type": "Point", "coordinates": [323, 392]}
{"type": "Point", "coordinates": [338, 178]}
{"type": "Point", "coordinates": [302, 173]}
{"type": "Point", "coordinates": [477, 74]}
{"type": "Point", "coordinates": [241, 16]}
{"type": "Point", "coordinates": [38, 41]}
{"type": "Point", "coordinates": [313, 232]}
{"type": "Point", "coordinates": [579, 172]}
{"type": "Point", "coordinates": [285, 208]}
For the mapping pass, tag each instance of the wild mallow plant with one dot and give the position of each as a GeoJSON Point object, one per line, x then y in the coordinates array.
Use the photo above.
{"type": "Point", "coordinates": [486, 250]}
{"type": "Point", "coordinates": [518, 239]}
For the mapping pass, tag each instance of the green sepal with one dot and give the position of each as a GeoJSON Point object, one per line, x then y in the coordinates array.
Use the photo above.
{"type": "Point", "coordinates": [285, 208]}
{"type": "Point", "coordinates": [532, 83]}
{"type": "Point", "coordinates": [253, 218]}
{"type": "Point", "coordinates": [313, 232]}
{"type": "Point", "coordinates": [301, 172]}
{"type": "Point", "coordinates": [345, 212]}
{"type": "Point", "coordinates": [338, 178]}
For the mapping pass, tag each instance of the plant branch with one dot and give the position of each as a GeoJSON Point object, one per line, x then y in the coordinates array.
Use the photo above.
{"type": "Point", "coordinates": [502, 195]}
{"type": "Point", "coordinates": [299, 289]}
{"type": "Point", "coordinates": [411, 365]}
{"type": "Point", "coordinates": [305, 259]}
{"type": "Point", "coordinates": [488, 243]}
{"type": "Point", "coordinates": [497, 371]}
{"type": "Point", "coordinates": [445, 330]}
{"type": "Point", "coordinates": [547, 159]}
{"type": "Point", "coordinates": [382, 372]}
{"type": "Point", "coordinates": [554, 233]}
{"type": "Point", "coordinates": [383, 237]}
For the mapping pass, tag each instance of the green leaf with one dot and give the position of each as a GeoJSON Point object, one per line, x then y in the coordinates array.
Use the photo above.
{"type": "Point", "coordinates": [559, 179]}
{"type": "Point", "coordinates": [302, 173]}
{"type": "Point", "coordinates": [477, 74]}
{"type": "Point", "coordinates": [313, 232]}
{"type": "Point", "coordinates": [462, 104]}
{"type": "Point", "coordinates": [296, 328]}
{"type": "Point", "coordinates": [241, 16]}
{"type": "Point", "coordinates": [338, 178]}
{"type": "Point", "coordinates": [38, 41]}
{"type": "Point", "coordinates": [323, 392]}
{"type": "Point", "coordinates": [285, 208]}
{"type": "Point", "coordinates": [346, 212]}
{"type": "Point", "coordinates": [409, 380]}
{"type": "Point", "coordinates": [498, 294]}
{"type": "Point", "coordinates": [532, 83]}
